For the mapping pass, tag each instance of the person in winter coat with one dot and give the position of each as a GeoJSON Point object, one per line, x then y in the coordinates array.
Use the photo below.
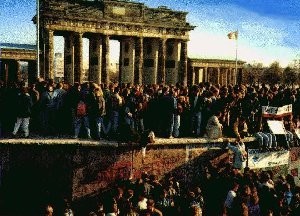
{"type": "Point", "coordinates": [24, 105]}
{"type": "Point", "coordinates": [48, 106]}
{"type": "Point", "coordinates": [214, 127]}
{"type": "Point", "coordinates": [196, 102]}
{"type": "Point", "coordinates": [96, 108]}
{"type": "Point", "coordinates": [79, 111]}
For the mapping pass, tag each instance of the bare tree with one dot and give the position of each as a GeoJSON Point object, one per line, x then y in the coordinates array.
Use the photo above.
{"type": "Point", "coordinates": [253, 73]}
{"type": "Point", "coordinates": [290, 76]}
{"type": "Point", "coordinates": [273, 74]}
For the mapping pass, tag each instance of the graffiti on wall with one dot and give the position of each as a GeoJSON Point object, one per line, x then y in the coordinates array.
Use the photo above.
{"type": "Point", "coordinates": [295, 164]}
{"type": "Point", "coordinates": [98, 169]}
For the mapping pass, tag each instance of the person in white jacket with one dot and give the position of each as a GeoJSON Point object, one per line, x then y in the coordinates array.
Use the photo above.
{"type": "Point", "coordinates": [240, 155]}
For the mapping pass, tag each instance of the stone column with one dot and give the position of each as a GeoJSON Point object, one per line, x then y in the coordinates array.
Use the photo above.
{"type": "Point", "coordinates": [18, 72]}
{"type": "Point", "coordinates": [229, 76]}
{"type": "Point", "coordinates": [161, 76]}
{"type": "Point", "coordinates": [234, 75]}
{"type": "Point", "coordinates": [128, 60]}
{"type": "Point", "coordinates": [205, 74]}
{"type": "Point", "coordinates": [239, 76]}
{"type": "Point", "coordinates": [95, 58]}
{"type": "Point", "coordinates": [139, 61]}
{"type": "Point", "coordinates": [219, 71]}
{"type": "Point", "coordinates": [201, 75]}
{"type": "Point", "coordinates": [193, 75]}
{"type": "Point", "coordinates": [184, 59]}
{"type": "Point", "coordinates": [49, 55]}
{"type": "Point", "coordinates": [105, 60]}
{"type": "Point", "coordinates": [172, 61]}
{"type": "Point", "coordinates": [223, 76]}
{"type": "Point", "coordinates": [208, 75]}
{"type": "Point", "coordinates": [69, 59]}
{"type": "Point", "coordinates": [218, 75]}
{"type": "Point", "coordinates": [197, 76]}
{"type": "Point", "coordinates": [226, 77]}
{"type": "Point", "coordinates": [121, 61]}
{"type": "Point", "coordinates": [150, 67]}
{"type": "Point", "coordinates": [78, 52]}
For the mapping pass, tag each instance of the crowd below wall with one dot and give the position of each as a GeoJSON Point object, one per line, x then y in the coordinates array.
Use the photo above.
{"type": "Point", "coordinates": [126, 112]}
{"type": "Point", "coordinates": [227, 193]}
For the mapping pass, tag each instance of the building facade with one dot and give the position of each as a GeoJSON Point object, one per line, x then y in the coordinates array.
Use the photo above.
{"type": "Point", "coordinates": [153, 41]}
{"type": "Point", "coordinates": [153, 46]}
{"type": "Point", "coordinates": [199, 70]}
{"type": "Point", "coordinates": [11, 58]}
{"type": "Point", "coordinates": [215, 71]}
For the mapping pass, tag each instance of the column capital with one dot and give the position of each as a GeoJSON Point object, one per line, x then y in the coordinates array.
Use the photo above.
{"type": "Point", "coordinates": [80, 34]}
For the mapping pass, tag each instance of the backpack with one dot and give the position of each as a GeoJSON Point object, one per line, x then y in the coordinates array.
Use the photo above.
{"type": "Point", "coordinates": [81, 109]}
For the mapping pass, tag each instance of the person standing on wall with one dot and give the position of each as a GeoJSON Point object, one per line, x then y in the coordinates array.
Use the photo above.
{"type": "Point", "coordinates": [24, 105]}
{"type": "Point", "coordinates": [96, 108]}
{"type": "Point", "coordinates": [196, 106]}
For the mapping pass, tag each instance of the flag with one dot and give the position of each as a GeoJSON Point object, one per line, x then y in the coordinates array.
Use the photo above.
{"type": "Point", "coordinates": [233, 35]}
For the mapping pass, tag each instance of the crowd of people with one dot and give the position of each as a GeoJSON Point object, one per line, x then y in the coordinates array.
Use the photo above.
{"type": "Point", "coordinates": [170, 111]}
{"type": "Point", "coordinates": [126, 111]}
{"type": "Point", "coordinates": [217, 193]}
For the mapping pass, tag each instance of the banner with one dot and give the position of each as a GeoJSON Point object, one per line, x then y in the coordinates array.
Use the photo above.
{"type": "Point", "coordinates": [258, 159]}
{"type": "Point", "coordinates": [268, 111]}
{"type": "Point", "coordinates": [276, 127]}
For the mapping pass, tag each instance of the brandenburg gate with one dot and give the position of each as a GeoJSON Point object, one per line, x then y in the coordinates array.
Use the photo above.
{"type": "Point", "coordinates": [215, 71]}
{"type": "Point", "coordinates": [153, 41]}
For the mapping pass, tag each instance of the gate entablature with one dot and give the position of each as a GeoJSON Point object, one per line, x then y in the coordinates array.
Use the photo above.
{"type": "Point", "coordinates": [115, 18]}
